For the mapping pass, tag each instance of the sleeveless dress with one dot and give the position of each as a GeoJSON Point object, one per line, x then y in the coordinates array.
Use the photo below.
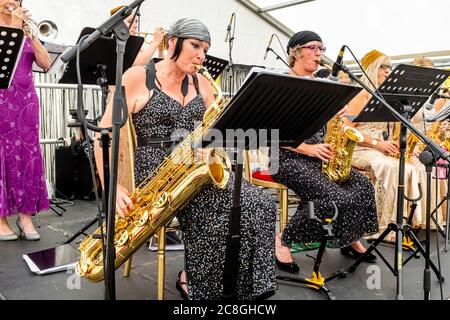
{"type": "Point", "coordinates": [22, 179]}
{"type": "Point", "coordinates": [354, 199]}
{"type": "Point", "coordinates": [204, 220]}
{"type": "Point", "coordinates": [385, 170]}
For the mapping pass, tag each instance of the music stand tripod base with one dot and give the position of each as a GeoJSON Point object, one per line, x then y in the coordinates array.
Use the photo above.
{"type": "Point", "coordinates": [56, 208]}
{"type": "Point", "coordinates": [317, 282]}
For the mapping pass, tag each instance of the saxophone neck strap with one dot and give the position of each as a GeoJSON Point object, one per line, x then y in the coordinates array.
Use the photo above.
{"type": "Point", "coordinates": [150, 77]}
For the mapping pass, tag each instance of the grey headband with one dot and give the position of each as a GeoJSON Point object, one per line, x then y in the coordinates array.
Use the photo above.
{"type": "Point", "coordinates": [190, 28]}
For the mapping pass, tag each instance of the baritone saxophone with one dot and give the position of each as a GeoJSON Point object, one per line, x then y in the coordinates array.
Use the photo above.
{"type": "Point", "coordinates": [161, 195]}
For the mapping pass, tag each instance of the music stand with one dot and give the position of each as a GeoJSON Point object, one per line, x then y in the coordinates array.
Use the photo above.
{"type": "Point", "coordinates": [54, 50]}
{"type": "Point", "coordinates": [406, 90]}
{"type": "Point", "coordinates": [215, 66]}
{"type": "Point", "coordinates": [11, 45]}
{"type": "Point", "coordinates": [99, 53]}
{"type": "Point", "coordinates": [270, 101]}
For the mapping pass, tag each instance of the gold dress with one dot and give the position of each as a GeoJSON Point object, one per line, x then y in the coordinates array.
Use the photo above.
{"type": "Point", "coordinates": [384, 170]}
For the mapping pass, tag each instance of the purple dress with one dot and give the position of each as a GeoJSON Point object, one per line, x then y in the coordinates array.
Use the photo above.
{"type": "Point", "coordinates": [22, 180]}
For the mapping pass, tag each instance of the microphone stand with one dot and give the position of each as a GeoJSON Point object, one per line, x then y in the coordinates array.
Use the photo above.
{"type": "Point", "coordinates": [121, 31]}
{"type": "Point", "coordinates": [436, 150]}
{"type": "Point", "coordinates": [278, 57]}
{"type": "Point", "coordinates": [230, 67]}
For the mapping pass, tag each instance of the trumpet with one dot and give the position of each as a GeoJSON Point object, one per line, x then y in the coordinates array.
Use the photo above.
{"type": "Point", "coordinates": [148, 38]}
{"type": "Point", "coordinates": [45, 30]}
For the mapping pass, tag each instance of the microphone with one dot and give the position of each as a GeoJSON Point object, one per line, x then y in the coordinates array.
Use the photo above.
{"type": "Point", "coordinates": [336, 66]}
{"type": "Point", "coordinates": [429, 105]}
{"type": "Point", "coordinates": [268, 46]}
{"type": "Point", "coordinates": [233, 16]}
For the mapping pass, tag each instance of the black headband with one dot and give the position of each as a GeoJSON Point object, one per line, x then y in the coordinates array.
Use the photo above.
{"type": "Point", "coordinates": [302, 37]}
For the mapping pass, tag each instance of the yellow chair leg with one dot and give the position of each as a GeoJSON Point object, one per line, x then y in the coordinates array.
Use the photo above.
{"type": "Point", "coordinates": [283, 209]}
{"type": "Point", "coordinates": [127, 267]}
{"type": "Point", "coordinates": [161, 261]}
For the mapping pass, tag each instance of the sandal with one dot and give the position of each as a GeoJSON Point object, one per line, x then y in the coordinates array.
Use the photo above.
{"type": "Point", "coordinates": [178, 285]}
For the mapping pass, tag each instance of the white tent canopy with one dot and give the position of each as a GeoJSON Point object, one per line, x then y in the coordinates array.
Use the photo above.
{"type": "Point", "coordinates": [401, 27]}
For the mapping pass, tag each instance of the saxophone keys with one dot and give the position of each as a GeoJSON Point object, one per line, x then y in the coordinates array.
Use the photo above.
{"type": "Point", "coordinates": [143, 219]}
{"type": "Point", "coordinates": [122, 239]}
{"type": "Point", "coordinates": [162, 201]}
{"type": "Point", "coordinates": [81, 269]}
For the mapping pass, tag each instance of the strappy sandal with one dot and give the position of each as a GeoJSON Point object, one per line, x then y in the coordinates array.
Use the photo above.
{"type": "Point", "coordinates": [178, 285]}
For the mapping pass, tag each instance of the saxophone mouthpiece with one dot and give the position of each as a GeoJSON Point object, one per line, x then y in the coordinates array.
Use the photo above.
{"type": "Point", "coordinates": [324, 64]}
{"type": "Point", "coordinates": [200, 69]}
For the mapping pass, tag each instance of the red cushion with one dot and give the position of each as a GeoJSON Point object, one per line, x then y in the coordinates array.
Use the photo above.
{"type": "Point", "coordinates": [263, 175]}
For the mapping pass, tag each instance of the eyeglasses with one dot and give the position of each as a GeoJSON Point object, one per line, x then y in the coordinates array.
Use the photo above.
{"type": "Point", "coordinates": [386, 66]}
{"type": "Point", "coordinates": [315, 47]}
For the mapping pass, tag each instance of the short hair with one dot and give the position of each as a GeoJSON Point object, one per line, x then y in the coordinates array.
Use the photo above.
{"type": "Point", "coordinates": [178, 48]}
{"type": "Point", "coordinates": [292, 54]}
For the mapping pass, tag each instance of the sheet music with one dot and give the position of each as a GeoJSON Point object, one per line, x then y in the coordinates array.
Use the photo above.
{"type": "Point", "coordinates": [11, 43]}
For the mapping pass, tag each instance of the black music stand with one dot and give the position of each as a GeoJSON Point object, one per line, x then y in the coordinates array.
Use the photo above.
{"type": "Point", "coordinates": [215, 66]}
{"type": "Point", "coordinates": [98, 54]}
{"type": "Point", "coordinates": [11, 45]}
{"type": "Point", "coordinates": [293, 106]}
{"type": "Point", "coordinates": [406, 90]}
{"type": "Point", "coordinates": [54, 50]}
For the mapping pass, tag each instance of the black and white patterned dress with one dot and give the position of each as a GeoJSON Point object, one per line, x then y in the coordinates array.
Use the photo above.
{"type": "Point", "coordinates": [204, 220]}
{"type": "Point", "coordinates": [354, 199]}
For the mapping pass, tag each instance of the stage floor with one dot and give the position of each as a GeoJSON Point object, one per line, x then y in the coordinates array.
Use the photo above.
{"type": "Point", "coordinates": [368, 282]}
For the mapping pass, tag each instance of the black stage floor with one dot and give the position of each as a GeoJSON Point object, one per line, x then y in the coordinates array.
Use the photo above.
{"type": "Point", "coordinates": [368, 282]}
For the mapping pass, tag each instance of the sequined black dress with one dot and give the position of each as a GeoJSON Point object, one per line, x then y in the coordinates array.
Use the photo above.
{"type": "Point", "coordinates": [354, 199]}
{"type": "Point", "coordinates": [204, 220]}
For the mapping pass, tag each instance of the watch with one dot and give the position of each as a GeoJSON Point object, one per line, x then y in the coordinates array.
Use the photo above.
{"type": "Point", "coordinates": [374, 143]}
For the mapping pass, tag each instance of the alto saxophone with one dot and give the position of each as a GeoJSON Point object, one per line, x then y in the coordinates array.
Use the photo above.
{"type": "Point", "coordinates": [412, 140]}
{"type": "Point", "coordinates": [343, 140]}
{"type": "Point", "coordinates": [161, 195]}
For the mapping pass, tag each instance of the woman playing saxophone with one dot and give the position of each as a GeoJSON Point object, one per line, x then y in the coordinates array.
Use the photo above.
{"type": "Point", "coordinates": [300, 169]}
{"type": "Point", "coordinates": [377, 155]}
{"type": "Point", "coordinates": [166, 102]}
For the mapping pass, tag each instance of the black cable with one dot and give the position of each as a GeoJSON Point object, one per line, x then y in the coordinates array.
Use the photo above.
{"type": "Point", "coordinates": [89, 155]}
{"type": "Point", "coordinates": [364, 72]}
{"type": "Point", "coordinates": [281, 46]}
{"type": "Point", "coordinates": [136, 14]}
{"type": "Point", "coordinates": [375, 87]}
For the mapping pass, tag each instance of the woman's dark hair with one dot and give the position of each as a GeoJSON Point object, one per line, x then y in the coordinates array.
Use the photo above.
{"type": "Point", "coordinates": [178, 48]}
